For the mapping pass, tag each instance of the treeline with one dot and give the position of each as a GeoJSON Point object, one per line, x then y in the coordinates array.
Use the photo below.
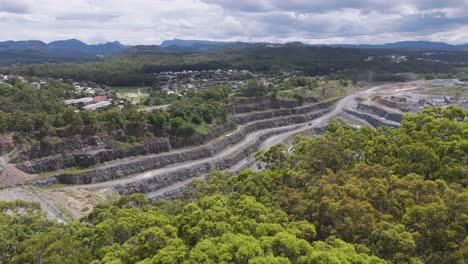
{"type": "Point", "coordinates": [135, 69]}
{"type": "Point", "coordinates": [352, 196]}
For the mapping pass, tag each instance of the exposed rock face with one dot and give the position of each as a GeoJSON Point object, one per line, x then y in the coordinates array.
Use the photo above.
{"type": "Point", "coordinates": [65, 146]}
{"type": "Point", "coordinates": [170, 195]}
{"type": "Point", "coordinates": [6, 145]}
{"type": "Point", "coordinates": [402, 106]}
{"type": "Point", "coordinates": [94, 157]}
{"type": "Point", "coordinates": [371, 119]}
{"type": "Point", "coordinates": [90, 158]}
{"type": "Point", "coordinates": [50, 163]}
{"type": "Point", "coordinates": [372, 109]}
{"type": "Point", "coordinates": [152, 162]}
{"type": "Point", "coordinates": [245, 118]}
{"type": "Point", "coordinates": [46, 182]}
{"type": "Point", "coordinates": [172, 177]}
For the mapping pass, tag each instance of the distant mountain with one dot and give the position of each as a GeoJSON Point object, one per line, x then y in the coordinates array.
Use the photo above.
{"type": "Point", "coordinates": [191, 43]}
{"type": "Point", "coordinates": [22, 44]}
{"type": "Point", "coordinates": [105, 48]}
{"type": "Point", "coordinates": [426, 45]}
{"type": "Point", "coordinates": [205, 45]}
{"type": "Point", "coordinates": [69, 44]}
{"type": "Point", "coordinates": [180, 45]}
{"type": "Point", "coordinates": [35, 51]}
{"type": "Point", "coordinates": [73, 50]}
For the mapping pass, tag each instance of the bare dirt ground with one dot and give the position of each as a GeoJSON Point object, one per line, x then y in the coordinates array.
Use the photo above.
{"type": "Point", "coordinates": [81, 202]}
{"type": "Point", "coordinates": [52, 204]}
{"type": "Point", "coordinates": [62, 206]}
{"type": "Point", "coordinates": [11, 176]}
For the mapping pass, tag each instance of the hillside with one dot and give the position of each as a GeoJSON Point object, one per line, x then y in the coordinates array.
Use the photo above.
{"type": "Point", "coordinates": [73, 50]}
{"type": "Point", "coordinates": [134, 66]}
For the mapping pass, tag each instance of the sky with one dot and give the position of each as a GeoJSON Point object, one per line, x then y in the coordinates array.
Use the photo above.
{"type": "Point", "coordinates": [310, 21]}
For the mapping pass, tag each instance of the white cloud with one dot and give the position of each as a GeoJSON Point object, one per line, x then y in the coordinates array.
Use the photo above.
{"type": "Point", "coordinates": [311, 21]}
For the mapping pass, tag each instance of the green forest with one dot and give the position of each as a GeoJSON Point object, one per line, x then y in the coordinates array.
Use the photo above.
{"type": "Point", "coordinates": [352, 196]}
{"type": "Point", "coordinates": [135, 69]}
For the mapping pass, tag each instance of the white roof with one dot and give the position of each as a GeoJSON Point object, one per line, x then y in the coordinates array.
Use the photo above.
{"type": "Point", "coordinates": [83, 100]}
{"type": "Point", "coordinates": [97, 105]}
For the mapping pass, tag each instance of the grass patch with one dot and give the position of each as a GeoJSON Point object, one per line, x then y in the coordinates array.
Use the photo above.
{"type": "Point", "coordinates": [31, 188]}
{"type": "Point", "coordinates": [298, 91]}
{"type": "Point", "coordinates": [133, 94]}
{"type": "Point", "coordinates": [57, 186]}
{"type": "Point", "coordinates": [71, 170]}
{"type": "Point", "coordinates": [46, 174]}
{"type": "Point", "coordinates": [68, 216]}
{"type": "Point", "coordinates": [374, 97]}
{"type": "Point", "coordinates": [121, 144]}
{"type": "Point", "coordinates": [202, 129]}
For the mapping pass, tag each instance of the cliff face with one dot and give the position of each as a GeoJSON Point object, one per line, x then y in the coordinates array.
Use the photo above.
{"type": "Point", "coordinates": [95, 157]}
{"type": "Point", "coordinates": [88, 159]}
{"type": "Point", "coordinates": [120, 163]}
{"type": "Point", "coordinates": [152, 162]}
{"type": "Point", "coordinates": [66, 145]}
{"type": "Point", "coordinates": [171, 177]}
{"type": "Point", "coordinates": [84, 152]}
{"type": "Point", "coordinates": [372, 109]}
{"type": "Point", "coordinates": [141, 164]}
{"type": "Point", "coordinates": [371, 119]}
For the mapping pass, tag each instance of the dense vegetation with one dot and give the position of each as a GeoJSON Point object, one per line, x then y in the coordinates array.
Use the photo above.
{"type": "Point", "coordinates": [40, 115]}
{"type": "Point", "coordinates": [25, 109]}
{"type": "Point", "coordinates": [134, 69]}
{"type": "Point", "coordinates": [352, 196]}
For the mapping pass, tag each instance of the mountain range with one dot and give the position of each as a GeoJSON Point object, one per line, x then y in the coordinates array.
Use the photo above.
{"type": "Point", "coordinates": [35, 51]}
{"type": "Point", "coordinates": [72, 50]}
{"type": "Point", "coordinates": [421, 45]}
{"type": "Point", "coordinates": [71, 44]}
{"type": "Point", "coordinates": [429, 45]}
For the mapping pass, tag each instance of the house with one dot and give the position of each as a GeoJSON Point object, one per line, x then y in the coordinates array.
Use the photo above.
{"type": "Point", "coordinates": [79, 102]}
{"type": "Point", "coordinates": [97, 105]}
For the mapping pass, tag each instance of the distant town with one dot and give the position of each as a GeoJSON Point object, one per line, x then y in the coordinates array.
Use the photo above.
{"type": "Point", "coordinates": [93, 96]}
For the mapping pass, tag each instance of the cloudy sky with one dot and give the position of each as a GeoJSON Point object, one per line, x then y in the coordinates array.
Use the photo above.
{"type": "Point", "coordinates": [310, 21]}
